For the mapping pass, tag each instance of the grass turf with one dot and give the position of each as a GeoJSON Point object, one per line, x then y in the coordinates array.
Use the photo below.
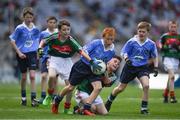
{"type": "Point", "coordinates": [126, 105]}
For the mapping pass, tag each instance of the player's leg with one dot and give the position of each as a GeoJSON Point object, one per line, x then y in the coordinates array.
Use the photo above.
{"type": "Point", "coordinates": [34, 102]}
{"type": "Point", "coordinates": [98, 106]}
{"type": "Point", "coordinates": [97, 86]}
{"type": "Point", "coordinates": [78, 72]}
{"type": "Point", "coordinates": [120, 88]}
{"type": "Point", "coordinates": [59, 98]}
{"type": "Point", "coordinates": [23, 89]}
{"type": "Point", "coordinates": [51, 86]}
{"type": "Point", "coordinates": [22, 64]}
{"type": "Point", "coordinates": [32, 63]}
{"type": "Point", "coordinates": [170, 65]}
{"type": "Point", "coordinates": [67, 104]}
{"type": "Point", "coordinates": [171, 78]}
{"type": "Point", "coordinates": [43, 86]}
{"type": "Point", "coordinates": [80, 98]}
{"type": "Point", "coordinates": [127, 75]}
{"type": "Point", "coordinates": [44, 75]}
{"type": "Point", "coordinates": [167, 65]}
{"type": "Point", "coordinates": [101, 109]}
{"type": "Point", "coordinates": [144, 80]}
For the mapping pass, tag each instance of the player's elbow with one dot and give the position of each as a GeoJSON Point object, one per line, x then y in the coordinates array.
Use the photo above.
{"type": "Point", "coordinates": [97, 88]}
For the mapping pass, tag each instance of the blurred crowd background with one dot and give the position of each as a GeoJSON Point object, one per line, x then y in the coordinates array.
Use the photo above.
{"type": "Point", "coordinates": [88, 18]}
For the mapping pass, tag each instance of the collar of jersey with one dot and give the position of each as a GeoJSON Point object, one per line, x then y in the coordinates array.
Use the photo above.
{"type": "Point", "coordinates": [137, 40]}
{"type": "Point", "coordinates": [23, 24]}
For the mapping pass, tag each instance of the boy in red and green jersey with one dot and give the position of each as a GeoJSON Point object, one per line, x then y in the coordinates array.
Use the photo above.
{"type": "Point", "coordinates": [170, 49]}
{"type": "Point", "coordinates": [61, 47]}
{"type": "Point", "coordinates": [170, 45]}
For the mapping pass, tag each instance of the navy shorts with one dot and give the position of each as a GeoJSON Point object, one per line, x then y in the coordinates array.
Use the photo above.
{"type": "Point", "coordinates": [30, 62]}
{"type": "Point", "coordinates": [129, 73]}
{"type": "Point", "coordinates": [81, 71]}
{"type": "Point", "coordinates": [43, 65]}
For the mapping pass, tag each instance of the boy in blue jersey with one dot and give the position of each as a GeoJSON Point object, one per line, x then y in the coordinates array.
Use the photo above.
{"type": "Point", "coordinates": [25, 41]}
{"type": "Point", "coordinates": [97, 49]}
{"type": "Point", "coordinates": [51, 28]}
{"type": "Point", "coordinates": [137, 52]}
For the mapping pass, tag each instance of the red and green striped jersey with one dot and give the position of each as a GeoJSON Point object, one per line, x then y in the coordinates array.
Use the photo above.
{"type": "Point", "coordinates": [170, 45]}
{"type": "Point", "coordinates": [61, 48]}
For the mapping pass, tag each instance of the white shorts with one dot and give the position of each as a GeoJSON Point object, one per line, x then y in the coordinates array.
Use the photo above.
{"type": "Point", "coordinates": [61, 65]}
{"type": "Point", "coordinates": [80, 95]}
{"type": "Point", "coordinates": [171, 63]}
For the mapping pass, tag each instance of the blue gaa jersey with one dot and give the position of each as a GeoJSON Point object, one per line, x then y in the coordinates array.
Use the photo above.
{"type": "Point", "coordinates": [43, 35]}
{"type": "Point", "coordinates": [96, 49]}
{"type": "Point", "coordinates": [26, 39]}
{"type": "Point", "coordinates": [139, 53]}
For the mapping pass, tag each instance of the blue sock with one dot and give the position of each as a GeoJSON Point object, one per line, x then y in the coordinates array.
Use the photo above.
{"type": "Point", "coordinates": [43, 94]}
{"type": "Point", "coordinates": [111, 98]}
{"type": "Point", "coordinates": [144, 105]}
{"type": "Point", "coordinates": [23, 93]}
{"type": "Point", "coordinates": [33, 95]}
{"type": "Point", "coordinates": [58, 99]}
{"type": "Point", "coordinates": [87, 106]}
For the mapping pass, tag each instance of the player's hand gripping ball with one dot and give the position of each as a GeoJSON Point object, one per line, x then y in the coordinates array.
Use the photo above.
{"type": "Point", "coordinates": [98, 67]}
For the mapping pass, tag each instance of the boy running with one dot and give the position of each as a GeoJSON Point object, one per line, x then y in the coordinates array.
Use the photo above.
{"type": "Point", "coordinates": [136, 52]}
{"type": "Point", "coordinates": [170, 49]}
{"type": "Point", "coordinates": [51, 28]}
{"type": "Point", "coordinates": [62, 47]}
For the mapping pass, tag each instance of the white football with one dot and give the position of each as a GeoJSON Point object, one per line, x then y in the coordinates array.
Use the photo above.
{"type": "Point", "coordinates": [102, 70]}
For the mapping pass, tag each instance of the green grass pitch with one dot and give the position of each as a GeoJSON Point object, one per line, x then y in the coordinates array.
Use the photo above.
{"type": "Point", "coordinates": [126, 105]}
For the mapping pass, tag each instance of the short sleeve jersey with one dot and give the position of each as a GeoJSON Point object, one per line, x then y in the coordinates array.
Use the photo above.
{"type": "Point", "coordinates": [139, 53]}
{"type": "Point", "coordinates": [26, 39]}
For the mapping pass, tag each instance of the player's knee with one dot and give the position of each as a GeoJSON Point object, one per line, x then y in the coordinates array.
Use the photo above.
{"type": "Point", "coordinates": [120, 89]}
{"type": "Point", "coordinates": [172, 78]}
{"type": "Point", "coordinates": [145, 87]}
{"type": "Point", "coordinates": [44, 77]}
{"type": "Point", "coordinates": [104, 113]}
{"type": "Point", "coordinates": [32, 77]}
{"type": "Point", "coordinates": [23, 78]}
{"type": "Point", "coordinates": [70, 88]}
{"type": "Point", "coordinates": [52, 77]}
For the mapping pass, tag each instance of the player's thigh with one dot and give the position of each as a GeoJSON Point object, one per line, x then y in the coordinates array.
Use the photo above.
{"type": "Point", "coordinates": [100, 109]}
{"type": "Point", "coordinates": [52, 72]}
{"type": "Point", "coordinates": [144, 80]}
